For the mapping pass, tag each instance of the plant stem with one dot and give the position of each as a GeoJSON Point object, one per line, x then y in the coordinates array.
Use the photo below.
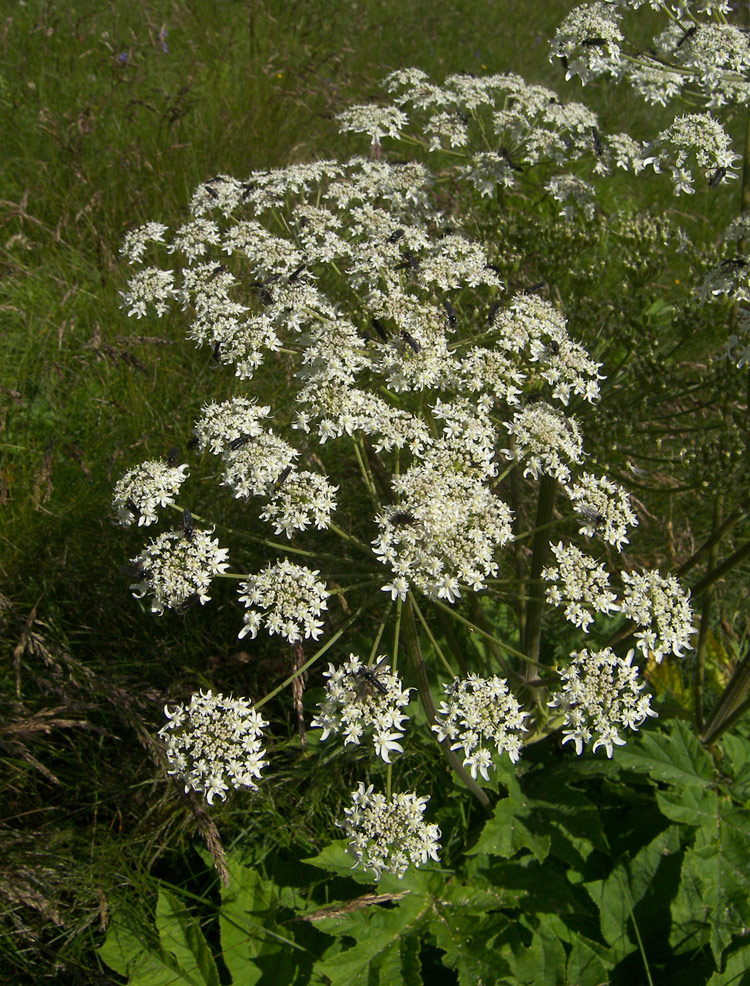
{"type": "Point", "coordinates": [532, 636]}
{"type": "Point", "coordinates": [423, 687]}
{"type": "Point", "coordinates": [700, 670]}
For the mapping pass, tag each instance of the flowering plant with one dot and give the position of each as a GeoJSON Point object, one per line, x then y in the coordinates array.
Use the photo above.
{"type": "Point", "coordinates": [423, 412]}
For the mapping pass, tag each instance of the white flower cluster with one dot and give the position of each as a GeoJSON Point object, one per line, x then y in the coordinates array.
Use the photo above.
{"type": "Point", "coordinates": [293, 598]}
{"type": "Point", "coordinates": [389, 834]}
{"type": "Point", "coordinates": [589, 41]}
{"type": "Point", "coordinates": [149, 286]}
{"type": "Point", "coordinates": [361, 697]}
{"type": "Point", "coordinates": [177, 566]}
{"type": "Point", "coordinates": [375, 121]}
{"type": "Point", "coordinates": [547, 441]}
{"type": "Point", "coordinates": [480, 710]}
{"type": "Point", "coordinates": [662, 605]}
{"type": "Point", "coordinates": [705, 62]}
{"type": "Point", "coordinates": [442, 534]}
{"type": "Point", "coordinates": [581, 585]}
{"type": "Point", "coordinates": [604, 508]}
{"type": "Point", "coordinates": [135, 241]}
{"type": "Point", "coordinates": [304, 498]}
{"type": "Point", "coordinates": [231, 421]}
{"type": "Point", "coordinates": [601, 694]}
{"type": "Point", "coordinates": [142, 489]}
{"type": "Point", "coordinates": [215, 743]}
{"type": "Point", "coordinates": [694, 137]}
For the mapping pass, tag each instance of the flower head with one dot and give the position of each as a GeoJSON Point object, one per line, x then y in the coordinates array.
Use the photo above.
{"type": "Point", "coordinates": [214, 743]}
{"type": "Point", "coordinates": [359, 698]}
{"type": "Point", "coordinates": [177, 566]}
{"type": "Point", "coordinates": [480, 710]}
{"type": "Point", "coordinates": [389, 834]}
{"type": "Point", "coordinates": [142, 489]}
{"type": "Point", "coordinates": [600, 696]}
{"type": "Point", "coordinates": [291, 596]}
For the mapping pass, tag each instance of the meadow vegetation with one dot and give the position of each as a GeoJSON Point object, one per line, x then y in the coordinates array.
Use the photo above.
{"type": "Point", "coordinates": [111, 118]}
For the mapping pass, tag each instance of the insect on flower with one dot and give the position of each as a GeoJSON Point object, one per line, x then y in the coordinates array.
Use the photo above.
{"type": "Point", "coordinates": [403, 519]}
{"type": "Point", "coordinates": [494, 309]}
{"type": "Point", "coordinates": [218, 269]}
{"type": "Point", "coordinates": [412, 342]}
{"type": "Point", "coordinates": [509, 161]}
{"type": "Point", "coordinates": [450, 311]}
{"type": "Point", "coordinates": [370, 680]}
{"type": "Point", "coordinates": [284, 475]}
{"type": "Point", "coordinates": [688, 34]}
{"type": "Point", "coordinates": [172, 456]}
{"type": "Point", "coordinates": [594, 42]}
{"type": "Point", "coordinates": [395, 236]}
{"type": "Point", "coordinates": [240, 442]}
{"type": "Point", "coordinates": [187, 524]}
{"type": "Point", "coordinates": [133, 507]}
{"type": "Point", "coordinates": [295, 274]}
{"type": "Point", "coordinates": [217, 351]}
{"type": "Point", "coordinates": [598, 149]}
{"type": "Point", "coordinates": [380, 329]}
{"type": "Point", "coordinates": [716, 177]}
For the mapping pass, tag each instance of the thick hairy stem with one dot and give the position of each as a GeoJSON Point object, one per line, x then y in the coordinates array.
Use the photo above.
{"type": "Point", "coordinates": [700, 670]}
{"type": "Point", "coordinates": [732, 704]}
{"type": "Point", "coordinates": [539, 553]}
{"type": "Point", "coordinates": [515, 501]}
{"type": "Point", "coordinates": [411, 639]}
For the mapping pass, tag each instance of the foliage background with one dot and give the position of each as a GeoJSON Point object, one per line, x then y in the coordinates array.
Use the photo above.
{"type": "Point", "coordinates": [110, 115]}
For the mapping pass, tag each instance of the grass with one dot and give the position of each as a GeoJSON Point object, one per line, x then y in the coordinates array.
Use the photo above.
{"type": "Point", "coordinates": [110, 117]}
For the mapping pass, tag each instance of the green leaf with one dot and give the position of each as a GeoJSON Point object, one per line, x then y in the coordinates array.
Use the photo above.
{"type": "Point", "coordinates": [677, 757]}
{"type": "Point", "coordinates": [250, 936]}
{"type": "Point", "coordinates": [691, 806]}
{"type": "Point", "coordinates": [543, 962]}
{"type": "Point", "coordinates": [336, 859]}
{"type": "Point", "coordinates": [505, 834]}
{"type": "Point", "coordinates": [617, 896]}
{"type": "Point", "coordinates": [376, 957]}
{"type": "Point", "coordinates": [736, 971]}
{"type": "Point", "coordinates": [183, 955]}
{"type": "Point", "coordinates": [181, 936]}
{"type": "Point", "coordinates": [588, 963]}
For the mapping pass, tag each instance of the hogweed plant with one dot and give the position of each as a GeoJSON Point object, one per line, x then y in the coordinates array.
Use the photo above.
{"type": "Point", "coordinates": [425, 410]}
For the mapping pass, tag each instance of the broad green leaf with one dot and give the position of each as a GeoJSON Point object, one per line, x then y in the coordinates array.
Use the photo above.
{"type": "Point", "coordinates": [691, 806]}
{"type": "Point", "coordinates": [505, 834]}
{"type": "Point", "coordinates": [543, 962]}
{"type": "Point", "coordinates": [336, 859]}
{"type": "Point", "coordinates": [714, 892]}
{"type": "Point", "coordinates": [617, 896]}
{"type": "Point", "coordinates": [736, 972]}
{"type": "Point", "coordinates": [588, 963]}
{"type": "Point", "coordinates": [180, 935]}
{"type": "Point", "coordinates": [250, 936]}
{"type": "Point", "coordinates": [376, 955]}
{"type": "Point", "coordinates": [675, 757]}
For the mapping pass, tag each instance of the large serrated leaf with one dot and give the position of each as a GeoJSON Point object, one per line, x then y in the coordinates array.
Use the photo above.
{"type": "Point", "coordinates": [505, 833]}
{"type": "Point", "coordinates": [691, 806]}
{"type": "Point", "coordinates": [617, 896]}
{"type": "Point", "coordinates": [714, 895]}
{"type": "Point", "coordinates": [588, 963]}
{"type": "Point", "coordinates": [181, 936]}
{"type": "Point", "coordinates": [543, 962]}
{"type": "Point", "coordinates": [251, 940]}
{"type": "Point", "coordinates": [375, 958]}
{"type": "Point", "coordinates": [675, 757]}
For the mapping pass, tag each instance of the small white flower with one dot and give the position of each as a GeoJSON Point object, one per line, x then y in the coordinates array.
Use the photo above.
{"type": "Point", "coordinates": [600, 693]}
{"type": "Point", "coordinates": [480, 709]}
{"type": "Point", "coordinates": [215, 743]}
{"type": "Point", "coordinates": [389, 834]}
{"type": "Point", "coordinates": [291, 597]}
